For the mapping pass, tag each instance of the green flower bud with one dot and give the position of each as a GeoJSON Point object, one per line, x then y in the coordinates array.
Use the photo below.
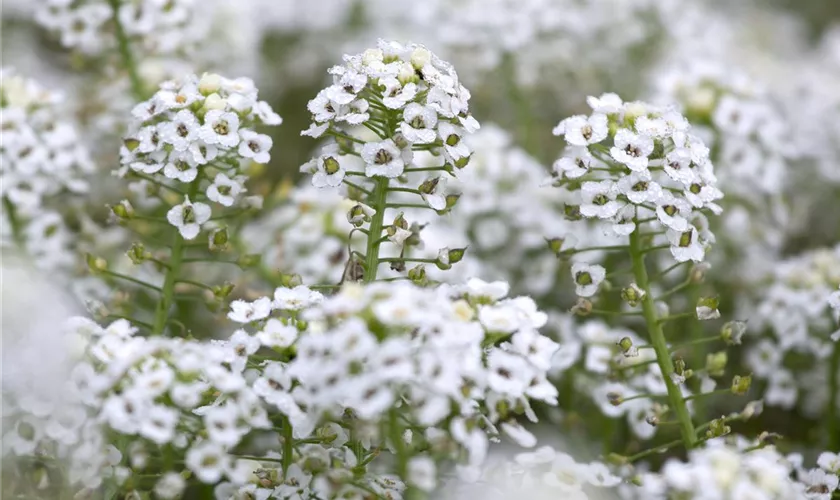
{"type": "Point", "coordinates": [122, 210]}
{"type": "Point", "coordinates": [218, 241]}
{"type": "Point", "coordinates": [429, 185]}
{"type": "Point", "coordinates": [96, 264]}
{"type": "Point", "coordinates": [248, 260]}
{"type": "Point", "coordinates": [555, 244]}
{"type": "Point", "coordinates": [131, 143]}
{"type": "Point", "coordinates": [462, 162]}
{"type": "Point", "coordinates": [138, 254]}
{"type": "Point", "coordinates": [716, 363]}
{"type": "Point", "coordinates": [632, 294]}
{"type": "Point", "coordinates": [732, 331]}
{"type": "Point", "coordinates": [417, 274]}
{"type": "Point", "coordinates": [718, 428]}
{"type": "Point", "coordinates": [223, 290]}
{"type": "Point", "coordinates": [290, 280]}
{"type": "Point", "coordinates": [456, 254]}
{"type": "Point", "coordinates": [740, 385]}
{"type": "Point", "coordinates": [572, 212]}
{"type": "Point", "coordinates": [625, 344]}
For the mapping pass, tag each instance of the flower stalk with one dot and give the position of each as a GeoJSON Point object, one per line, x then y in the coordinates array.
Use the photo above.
{"type": "Point", "coordinates": [657, 340]}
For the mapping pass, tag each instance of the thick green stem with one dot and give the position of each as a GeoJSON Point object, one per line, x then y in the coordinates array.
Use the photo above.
{"type": "Point", "coordinates": [657, 340]}
{"type": "Point", "coordinates": [176, 256]}
{"type": "Point", "coordinates": [374, 241]}
{"type": "Point", "coordinates": [833, 395]}
{"type": "Point", "coordinates": [126, 55]}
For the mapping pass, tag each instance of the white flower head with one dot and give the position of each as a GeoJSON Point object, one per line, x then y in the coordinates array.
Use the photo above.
{"type": "Point", "coordinates": [587, 278]}
{"type": "Point", "coordinates": [188, 217]}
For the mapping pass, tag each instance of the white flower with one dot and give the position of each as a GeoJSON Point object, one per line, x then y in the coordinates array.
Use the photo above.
{"type": "Point", "coordinates": [685, 245]}
{"type": "Point", "coordinates": [608, 103]}
{"type": "Point", "coordinates": [207, 460]}
{"type": "Point", "coordinates": [170, 486]}
{"type": "Point", "coordinates": [181, 167]}
{"type": "Point", "coordinates": [158, 424]}
{"type": "Point", "coordinates": [277, 334]}
{"type": "Point", "coordinates": [436, 196]}
{"type": "Point", "coordinates": [587, 278]}
{"type": "Point", "coordinates": [220, 127]}
{"type": "Point", "coordinates": [454, 147]}
{"type": "Point", "coordinates": [581, 130]}
{"type": "Point", "coordinates": [188, 217]}
{"type": "Point", "coordinates": [419, 124]}
{"type": "Point", "coordinates": [255, 146]}
{"type": "Point", "coordinates": [678, 166]}
{"type": "Point", "coordinates": [632, 149]}
{"type": "Point", "coordinates": [326, 169]}
{"type": "Point", "coordinates": [639, 188]}
{"type": "Point", "coordinates": [598, 199]}
{"type": "Point", "coordinates": [422, 473]}
{"type": "Point", "coordinates": [519, 434]}
{"type": "Point", "coordinates": [224, 190]}
{"type": "Point", "coordinates": [673, 212]}
{"type": "Point", "coordinates": [267, 115]}
{"type": "Point", "coordinates": [575, 162]}
{"type": "Point", "coordinates": [246, 312]}
{"type": "Point", "coordinates": [829, 462]}
{"type": "Point", "coordinates": [295, 299]}
{"type": "Point", "coordinates": [181, 131]}
{"type": "Point", "coordinates": [494, 291]}
{"type": "Point", "coordinates": [383, 158]}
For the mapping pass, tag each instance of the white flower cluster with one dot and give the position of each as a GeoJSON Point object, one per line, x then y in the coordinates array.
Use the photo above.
{"type": "Point", "coordinates": [754, 150]}
{"type": "Point", "coordinates": [306, 235]}
{"type": "Point", "coordinates": [722, 471]}
{"type": "Point", "coordinates": [411, 99]}
{"type": "Point", "coordinates": [42, 157]}
{"type": "Point", "coordinates": [466, 360]}
{"type": "Point", "coordinates": [794, 311]}
{"type": "Point", "coordinates": [89, 25]}
{"type": "Point", "coordinates": [632, 162]}
{"type": "Point", "coordinates": [198, 133]}
{"type": "Point", "coordinates": [542, 473]}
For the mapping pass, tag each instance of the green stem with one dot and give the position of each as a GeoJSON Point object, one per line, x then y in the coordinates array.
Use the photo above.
{"type": "Point", "coordinates": [127, 56]}
{"type": "Point", "coordinates": [288, 446]}
{"type": "Point", "coordinates": [11, 213]}
{"type": "Point", "coordinates": [657, 339]}
{"type": "Point", "coordinates": [833, 394]}
{"type": "Point", "coordinates": [378, 200]}
{"type": "Point", "coordinates": [168, 291]}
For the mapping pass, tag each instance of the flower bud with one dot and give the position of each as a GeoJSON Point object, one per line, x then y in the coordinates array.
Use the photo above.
{"type": "Point", "coordinates": [752, 409]}
{"type": "Point", "coordinates": [652, 420]}
{"type": "Point", "coordinates": [417, 274]}
{"type": "Point", "coordinates": [248, 260]}
{"type": "Point", "coordinates": [555, 244]}
{"type": "Point", "coordinates": [707, 308]}
{"type": "Point", "coordinates": [740, 385]}
{"type": "Point", "coordinates": [614, 398]}
{"type": "Point", "coordinates": [131, 143]}
{"type": "Point", "coordinates": [214, 101]}
{"type": "Point", "coordinates": [122, 210]}
{"type": "Point", "coordinates": [698, 272]}
{"type": "Point", "coordinates": [359, 214]}
{"type": "Point", "coordinates": [716, 363]}
{"type": "Point", "coordinates": [632, 294]}
{"type": "Point", "coordinates": [138, 253]}
{"type": "Point", "coordinates": [572, 212]}
{"type": "Point", "coordinates": [625, 344]}
{"type": "Point", "coordinates": [223, 290]}
{"type": "Point", "coordinates": [456, 254]}
{"type": "Point", "coordinates": [290, 280]}
{"type": "Point", "coordinates": [218, 241]}
{"type": "Point", "coordinates": [718, 428]}
{"type": "Point", "coordinates": [462, 162]}
{"type": "Point", "coordinates": [209, 83]}
{"type": "Point", "coordinates": [96, 264]}
{"type": "Point", "coordinates": [371, 56]}
{"type": "Point", "coordinates": [451, 201]}
{"type": "Point", "coordinates": [429, 185]}
{"type": "Point", "coordinates": [732, 331]}
{"type": "Point", "coordinates": [420, 57]}
{"type": "Point", "coordinates": [407, 74]}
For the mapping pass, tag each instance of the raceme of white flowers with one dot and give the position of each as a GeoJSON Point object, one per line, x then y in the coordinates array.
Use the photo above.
{"type": "Point", "coordinates": [195, 136]}
{"type": "Point", "coordinates": [632, 164]}
{"type": "Point", "coordinates": [45, 164]}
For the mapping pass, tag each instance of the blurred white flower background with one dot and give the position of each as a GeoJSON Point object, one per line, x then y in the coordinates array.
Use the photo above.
{"type": "Point", "coordinates": [384, 249]}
